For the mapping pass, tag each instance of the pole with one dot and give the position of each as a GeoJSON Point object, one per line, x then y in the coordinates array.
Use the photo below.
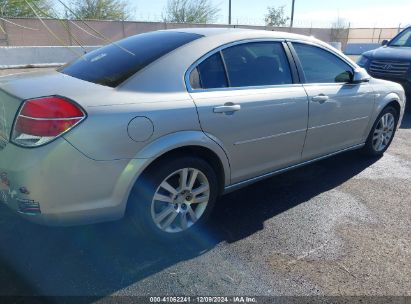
{"type": "Point", "coordinates": [292, 14]}
{"type": "Point", "coordinates": [229, 11]}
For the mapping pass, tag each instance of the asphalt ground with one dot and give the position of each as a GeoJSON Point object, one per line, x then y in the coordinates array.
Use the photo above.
{"type": "Point", "coordinates": [338, 227]}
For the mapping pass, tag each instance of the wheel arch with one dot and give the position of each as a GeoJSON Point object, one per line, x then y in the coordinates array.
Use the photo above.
{"type": "Point", "coordinates": [391, 99]}
{"type": "Point", "coordinates": [387, 99]}
{"type": "Point", "coordinates": [187, 143]}
{"type": "Point", "coordinates": [395, 104]}
{"type": "Point", "coordinates": [203, 152]}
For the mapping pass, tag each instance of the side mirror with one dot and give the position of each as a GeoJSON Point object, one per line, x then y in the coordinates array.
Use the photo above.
{"type": "Point", "coordinates": [360, 75]}
{"type": "Point", "coordinates": [345, 77]}
{"type": "Point", "coordinates": [384, 42]}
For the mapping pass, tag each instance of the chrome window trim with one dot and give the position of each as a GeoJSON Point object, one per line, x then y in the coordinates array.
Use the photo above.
{"type": "Point", "coordinates": [230, 44]}
{"type": "Point", "coordinates": [229, 89]}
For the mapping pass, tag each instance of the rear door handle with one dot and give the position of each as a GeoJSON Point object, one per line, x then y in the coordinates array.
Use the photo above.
{"type": "Point", "coordinates": [320, 98]}
{"type": "Point", "coordinates": [227, 108]}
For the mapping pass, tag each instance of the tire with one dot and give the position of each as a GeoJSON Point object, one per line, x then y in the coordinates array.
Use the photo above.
{"type": "Point", "coordinates": [180, 209]}
{"type": "Point", "coordinates": [381, 135]}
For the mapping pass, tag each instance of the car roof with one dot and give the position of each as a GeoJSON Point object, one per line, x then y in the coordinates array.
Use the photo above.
{"type": "Point", "coordinates": [168, 69]}
{"type": "Point", "coordinates": [243, 33]}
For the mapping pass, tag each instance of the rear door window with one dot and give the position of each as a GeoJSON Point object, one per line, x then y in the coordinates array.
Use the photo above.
{"type": "Point", "coordinates": [257, 64]}
{"type": "Point", "coordinates": [244, 65]}
{"type": "Point", "coordinates": [210, 74]}
{"type": "Point", "coordinates": [113, 64]}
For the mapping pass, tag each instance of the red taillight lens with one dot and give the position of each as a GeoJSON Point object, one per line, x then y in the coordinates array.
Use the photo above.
{"type": "Point", "coordinates": [44, 127]}
{"type": "Point", "coordinates": [50, 107]}
{"type": "Point", "coordinates": [43, 119]}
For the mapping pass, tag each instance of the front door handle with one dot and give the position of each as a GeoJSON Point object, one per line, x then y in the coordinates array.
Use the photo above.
{"type": "Point", "coordinates": [320, 98]}
{"type": "Point", "coordinates": [227, 108]}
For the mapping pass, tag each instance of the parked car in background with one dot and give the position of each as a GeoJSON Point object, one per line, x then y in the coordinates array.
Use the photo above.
{"type": "Point", "coordinates": [392, 61]}
{"type": "Point", "coordinates": [158, 125]}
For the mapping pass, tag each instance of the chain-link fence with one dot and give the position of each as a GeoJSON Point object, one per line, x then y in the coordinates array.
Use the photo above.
{"type": "Point", "coordinates": [55, 32]}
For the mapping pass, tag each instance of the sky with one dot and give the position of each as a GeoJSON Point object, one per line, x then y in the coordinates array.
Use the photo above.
{"type": "Point", "coordinates": [318, 13]}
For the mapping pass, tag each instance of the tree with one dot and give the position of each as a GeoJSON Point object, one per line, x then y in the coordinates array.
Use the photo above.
{"type": "Point", "coordinates": [20, 8]}
{"type": "Point", "coordinates": [99, 9]}
{"type": "Point", "coordinates": [339, 32]}
{"type": "Point", "coordinates": [275, 16]}
{"type": "Point", "coordinates": [190, 11]}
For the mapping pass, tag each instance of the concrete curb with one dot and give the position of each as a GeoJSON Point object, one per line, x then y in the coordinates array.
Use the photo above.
{"type": "Point", "coordinates": [39, 56]}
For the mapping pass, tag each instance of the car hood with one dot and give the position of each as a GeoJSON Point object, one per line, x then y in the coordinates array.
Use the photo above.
{"type": "Point", "coordinates": [390, 53]}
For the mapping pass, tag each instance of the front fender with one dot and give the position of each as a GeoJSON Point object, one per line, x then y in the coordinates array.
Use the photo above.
{"type": "Point", "coordinates": [382, 99]}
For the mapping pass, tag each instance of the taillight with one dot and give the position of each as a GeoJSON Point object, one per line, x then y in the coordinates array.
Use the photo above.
{"type": "Point", "coordinates": [43, 119]}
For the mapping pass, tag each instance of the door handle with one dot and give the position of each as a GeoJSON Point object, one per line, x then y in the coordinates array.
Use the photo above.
{"type": "Point", "coordinates": [320, 98]}
{"type": "Point", "coordinates": [227, 108]}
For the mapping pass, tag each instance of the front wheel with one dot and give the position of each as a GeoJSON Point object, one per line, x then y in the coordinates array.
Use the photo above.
{"type": "Point", "coordinates": [174, 197]}
{"type": "Point", "coordinates": [382, 132]}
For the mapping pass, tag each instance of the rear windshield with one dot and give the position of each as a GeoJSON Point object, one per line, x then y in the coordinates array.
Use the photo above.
{"type": "Point", "coordinates": [114, 63]}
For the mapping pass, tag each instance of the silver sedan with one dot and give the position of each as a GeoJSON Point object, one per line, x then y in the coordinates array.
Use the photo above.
{"type": "Point", "coordinates": [158, 125]}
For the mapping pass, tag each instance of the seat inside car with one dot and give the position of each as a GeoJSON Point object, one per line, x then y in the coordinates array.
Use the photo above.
{"type": "Point", "coordinates": [266, 70]}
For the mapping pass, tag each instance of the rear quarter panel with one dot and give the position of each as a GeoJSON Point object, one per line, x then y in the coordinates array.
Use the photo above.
{"type": "Point", "coordinates": [104, 134]}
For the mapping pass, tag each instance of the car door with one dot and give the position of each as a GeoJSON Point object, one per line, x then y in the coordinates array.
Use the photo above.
{"type": "Point", "coordinates": [248, 101]}
{"type": "Point", "coordinates": [339, 110]}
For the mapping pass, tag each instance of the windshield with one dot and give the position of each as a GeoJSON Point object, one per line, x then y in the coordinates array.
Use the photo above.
{"type": "Point", "coordinates": [403, 39]}
{"type": "Point", "coordinates": [114, 63]}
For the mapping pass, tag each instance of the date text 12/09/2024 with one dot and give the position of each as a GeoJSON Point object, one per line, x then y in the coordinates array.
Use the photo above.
{"type": "Point", "coordinates": [201, 299]}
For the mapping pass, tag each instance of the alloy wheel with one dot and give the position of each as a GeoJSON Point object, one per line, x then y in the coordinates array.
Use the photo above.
{"type": "Point", "coordinates": [180, 200]}
{"type": "Point", "coordinates": [383, 132]}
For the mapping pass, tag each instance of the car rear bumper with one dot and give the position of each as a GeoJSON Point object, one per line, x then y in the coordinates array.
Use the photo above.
{"type": "Point", "coordinates": [58, 185]}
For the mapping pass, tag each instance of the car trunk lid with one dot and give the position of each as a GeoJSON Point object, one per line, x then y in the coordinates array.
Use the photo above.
{"type": "Point", "coordinates": [15, 89]}
{"type": "Point", "coordinates": [47, 83]}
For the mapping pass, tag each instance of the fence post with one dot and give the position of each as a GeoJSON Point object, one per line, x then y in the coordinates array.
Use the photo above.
{"type": "Point", "coordinates": [6, 35]}
{"type": "Point", "coordinates": [348, 36]}
{"type": "Point", "coordinates": [379, 36]}
{"type": "Point", "coordinates": [123, 28]}
{"type": "Point", "coordinates": [69, 32]}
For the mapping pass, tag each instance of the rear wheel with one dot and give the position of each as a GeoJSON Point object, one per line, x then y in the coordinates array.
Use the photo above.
{"type": "Point", "coordinates": [382, 132]}
{"type": "Point", "coordinates": [174, 197]}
